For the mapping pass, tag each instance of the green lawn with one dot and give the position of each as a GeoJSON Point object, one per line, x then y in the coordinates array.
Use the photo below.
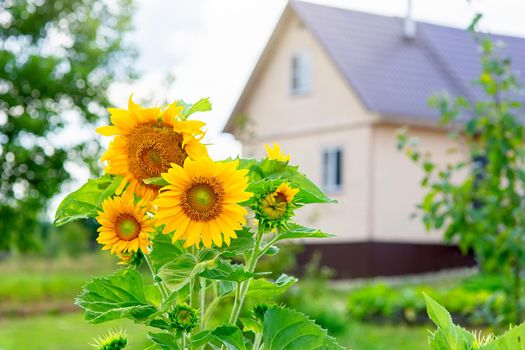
{"type": "Point", "coordinates": [71, 332]}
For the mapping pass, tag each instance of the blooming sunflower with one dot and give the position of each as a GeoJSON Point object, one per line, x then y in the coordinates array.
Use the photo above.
{"type": "Point", "coordinates": [276, 207]}
{"type": "Point", "coordinates": [125, 226]}
{"type": "Point", "coordinates": [202, 200]}
{"type": "Point", "coordinates": [275, 153]}
{"type": "Point", "coordinates": [147, 141]}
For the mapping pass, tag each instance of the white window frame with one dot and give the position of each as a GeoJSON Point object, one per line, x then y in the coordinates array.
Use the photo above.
{"type": "Point", "coordinates": [331, 167]}
{"type": "Point", "coordinates": [301, 73]}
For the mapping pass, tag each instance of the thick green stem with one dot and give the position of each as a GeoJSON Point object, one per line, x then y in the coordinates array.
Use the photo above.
{"type": "Point", "coordinates": [244, 285]}
{"type": "Point", "coordinates": [184, 336]}
{"type": "Point", "coordinates": [257, 341]}
{"type": "Point", "coordinates": [202, 299]}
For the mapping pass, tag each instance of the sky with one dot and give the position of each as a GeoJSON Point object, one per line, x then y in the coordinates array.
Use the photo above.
{"type": "Point", "coordinates": [211, 47]}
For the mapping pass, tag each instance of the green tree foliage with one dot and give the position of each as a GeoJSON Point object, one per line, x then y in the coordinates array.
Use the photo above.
{"type": "Point", "coordinates": [57, 58]}
{"type": "Point", "coordinates": [478, 200]}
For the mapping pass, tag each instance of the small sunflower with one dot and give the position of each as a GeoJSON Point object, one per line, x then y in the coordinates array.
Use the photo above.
{"type": "Point", "coordinates": [275, 153]}
{"type": "Point", "coordinates": [276, 207]}
{"type": "Point", "coordinates": [125, 226]}
{"type": "Point", "coordinates": [147, 141]}
{"type": "Point", "coordinates": [202, 200]}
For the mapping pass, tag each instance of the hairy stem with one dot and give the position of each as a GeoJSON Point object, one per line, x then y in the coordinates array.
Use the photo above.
{"type": "Point", "coordinates": [244, 285]}
{"type": "Point", "coordinates": [202, 299]}
{"type": "Point", "coordinates": [160, 286]}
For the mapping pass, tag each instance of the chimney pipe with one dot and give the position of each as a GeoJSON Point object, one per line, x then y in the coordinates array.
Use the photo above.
{"type": "Point", "coordinates": [409, 25]}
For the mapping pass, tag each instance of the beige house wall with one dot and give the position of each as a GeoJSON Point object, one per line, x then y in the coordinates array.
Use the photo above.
{"type": "Point", "coordinates": [396, 183]}
{"type": "Point", "coordinates": [276, 113]}
{"type": "Point", "coordinates": [380, 184]}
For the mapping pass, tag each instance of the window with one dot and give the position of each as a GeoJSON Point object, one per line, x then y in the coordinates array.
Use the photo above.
{"type": "Point", "coordinates": [333, 169]}
{"type": "Point", "coordinates": [301, 73]}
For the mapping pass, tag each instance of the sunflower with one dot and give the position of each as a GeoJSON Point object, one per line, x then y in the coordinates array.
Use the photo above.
{"type": "Point", "coordinates": [147, 141]}
{"type": "Point", "coordinates": [276, 207]}
{"type": "Point", "coordinates": [275, 153]}
{"type": "Point", "coordinates": [202, 200]}
{"type": "Point", "coordinates": [125, 226]}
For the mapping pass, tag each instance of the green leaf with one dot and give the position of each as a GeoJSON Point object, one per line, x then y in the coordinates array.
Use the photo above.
{"type": "Point", "coordinates": [225, 270]}
{"type": "Point", "coordinates": [164, 251]}
{"type": "Point", "coordinates": [178, 272]}
{"type": "Point", "coordinates": [512, 340]}
{"type": "Point", "coordinates": [251, 325]}
{"type": "Point", "coordinates": [244, 242]}
{"type": "Point", "coordinates": [263, 288]}
{"type": "Point", "coordinates": [297, 231]}
{"type": "Point", "coordinates": [86, 201]}
{"type": "Point", "coordinates": [157, 181]}
{"type": "Point", "coordinates": [120, 295]}
{"type": "Point", "coordinates": [448, 335]}
{"type": "Point", "coordinates": [260, 172]}
{"type": "Point", "coordinates": [285, 329]}
{"type": "Point", "coordinates": [202, 105]}
{"type": "Point", "coordinates": [165, 341]}
{"type": "Point", "coordinates": [231, 336]}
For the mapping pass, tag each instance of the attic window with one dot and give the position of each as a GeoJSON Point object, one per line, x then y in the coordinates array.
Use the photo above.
{"type": "Point", "coordinates": [301, 73]}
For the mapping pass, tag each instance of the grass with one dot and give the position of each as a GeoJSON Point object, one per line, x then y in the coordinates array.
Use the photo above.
{"type": "Point", "coordinates": [71, 332]}
{"type": "Point", "coordinates": [56, 332]}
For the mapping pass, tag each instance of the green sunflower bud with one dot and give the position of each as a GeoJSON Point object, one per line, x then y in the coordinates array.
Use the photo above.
{"type": "Point", "coordinates": [114, 340]}
{"type": "Point", "coordinates": [183, 318]}
{"type": "Point", "coordinates": [259, 310]}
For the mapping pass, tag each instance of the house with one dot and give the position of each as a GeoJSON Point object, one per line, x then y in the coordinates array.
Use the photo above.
{"type": "Point", "coordinates": [332, 87]}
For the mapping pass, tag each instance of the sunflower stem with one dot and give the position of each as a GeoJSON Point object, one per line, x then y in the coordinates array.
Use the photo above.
{"type": "Point", "coordinates": [160, 286]}
{"type": "Point", "coordinates": [244, 285]}
{"type": "Point", "coordinates": [202, 299]}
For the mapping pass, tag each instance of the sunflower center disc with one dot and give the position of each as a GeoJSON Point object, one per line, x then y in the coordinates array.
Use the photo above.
{"type": "Point", "coordinates": [152, 148]}
{"type": "Point", "coordinates": [127, 227]}
{"type": "Point", "coordinates": [202, 198]}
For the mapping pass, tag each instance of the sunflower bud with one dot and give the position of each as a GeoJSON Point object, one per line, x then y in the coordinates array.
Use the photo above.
{"type": "Point", "coordinates": [275, 208]}
{"type": "Point", "coordinates": [183, 318]}
{"type": "Point", "coordinates": [114, 340]}
{"type": "Point", "coordinates": [259, 310]}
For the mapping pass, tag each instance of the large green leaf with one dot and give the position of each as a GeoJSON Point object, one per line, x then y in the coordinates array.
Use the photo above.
{"type": "Point", "coordinates": [260, 172]}
{"type": "Point", "coordinates": [244, 242]}
{"type": "Point", "coordinates": [177, 273]}
{"type": "Point", "coordinates": [164, 251]}
{"type": "Point", "coordinates": [298, 231]}
{"type": "Point", "coordinates": [86, 201]}
{"type": "Point", "coordinates": [285, 329]}
{"type": "Point", "coordinates": [225, 270]}
{"type": "Point", "coordinates": [514, 339]}
{"type": "Point", "coordinates": [164, 341]}
{"type": "Point", "coordinates": [230, 335]}
{"type": "Point", "coordinates": [227, 335]}
{"type": "Point", "coordinates": [120, 295]}
{"type": "Point", "coordinates": [447, 336]}
{"type": "Point", "coordinates": [263, 288]}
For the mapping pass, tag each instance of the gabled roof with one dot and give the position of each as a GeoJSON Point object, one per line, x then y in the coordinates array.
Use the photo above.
{"type": "Point", "coordinates": [394, 76]}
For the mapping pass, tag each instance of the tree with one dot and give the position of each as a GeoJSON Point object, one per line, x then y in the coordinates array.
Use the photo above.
{"type": "Point", "coordinates": [57, 57]}
{"type": "Point", "coordinates": [478, 201]}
